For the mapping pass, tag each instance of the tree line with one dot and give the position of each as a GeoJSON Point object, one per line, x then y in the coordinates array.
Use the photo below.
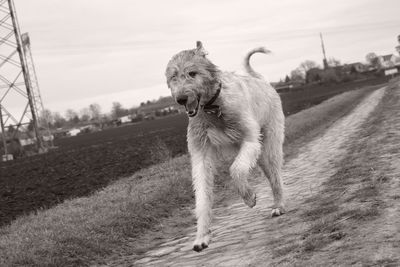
{"type": "Point", "coordinates": [91, 114]}
{"type": "Point", "coordinates": [299, 74]}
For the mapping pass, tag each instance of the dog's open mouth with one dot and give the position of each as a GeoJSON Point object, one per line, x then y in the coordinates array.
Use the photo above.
{"type": "Point", "coordinates": [192, 107]}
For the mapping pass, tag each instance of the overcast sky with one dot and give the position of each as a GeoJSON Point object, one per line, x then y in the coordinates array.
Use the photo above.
{"type": "Point", "coordinates": [102, 51]}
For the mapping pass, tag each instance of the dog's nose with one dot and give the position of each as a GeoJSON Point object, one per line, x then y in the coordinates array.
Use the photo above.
{"type": "Point", "coordinates": [182, 99]}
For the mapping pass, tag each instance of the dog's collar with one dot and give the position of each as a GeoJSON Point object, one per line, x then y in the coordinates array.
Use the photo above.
{"type": "Point", "coordinates": [209, 108]}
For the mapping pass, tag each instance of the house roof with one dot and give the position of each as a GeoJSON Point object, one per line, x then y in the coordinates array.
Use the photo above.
{"type": "Point", "coordinates": [387, 57]}
{"type": "Point", "coordinates": [355, 63]}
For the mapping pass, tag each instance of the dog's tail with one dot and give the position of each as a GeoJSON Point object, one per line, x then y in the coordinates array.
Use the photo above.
{"type": "Point", "coordinates": [247, 66]}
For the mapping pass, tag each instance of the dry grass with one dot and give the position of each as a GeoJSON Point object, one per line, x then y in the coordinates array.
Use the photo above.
{"type": "Point", "coordinates": [87, 230]}
{"type": "Point", "coordinates": [159, 151]}
{"type": "Point", "coordinates": [351, 197]}
{"type": "Point", "coordinates": [307, 124]}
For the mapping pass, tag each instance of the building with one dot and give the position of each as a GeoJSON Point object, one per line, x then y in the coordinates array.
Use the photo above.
{"type": "Point", "coordinates": [336, 73]}
{"type": "Point", "coordinates": [356, 67]}
{"type": "Point", "coordinates": [73, 132]}
{"type": "Point", "coordinates": [397, 62]}
{"type": "Point", "coordinates": [317, 75]}
{"type": "Point", "coordinates": [287, 86]}
{"type": "Point", "coordinates": [125, 119]}
{"type": "Point", "coordinates": [387, 61]}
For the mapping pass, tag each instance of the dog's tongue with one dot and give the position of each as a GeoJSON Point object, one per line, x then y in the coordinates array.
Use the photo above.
{"type": "Point", "coordinates": [191, 105]}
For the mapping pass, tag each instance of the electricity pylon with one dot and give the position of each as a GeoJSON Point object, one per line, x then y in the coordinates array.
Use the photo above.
{"type": "Point", "coordinates": [21, 106]}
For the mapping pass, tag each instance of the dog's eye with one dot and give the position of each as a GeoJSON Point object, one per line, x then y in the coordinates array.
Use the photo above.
{"type": "Point", "coordinates": [192, 74]}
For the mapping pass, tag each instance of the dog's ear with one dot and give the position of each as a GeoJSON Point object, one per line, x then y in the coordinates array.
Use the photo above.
{"type": "Point", "coordinates": [200, 49]}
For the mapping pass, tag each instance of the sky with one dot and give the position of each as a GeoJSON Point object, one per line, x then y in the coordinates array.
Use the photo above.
{"type": "Point", "coordinates": [98, 51]}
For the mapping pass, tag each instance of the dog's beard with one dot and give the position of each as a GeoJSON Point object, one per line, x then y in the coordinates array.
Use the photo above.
{"type": "Point", "coordinates": [203, 93]}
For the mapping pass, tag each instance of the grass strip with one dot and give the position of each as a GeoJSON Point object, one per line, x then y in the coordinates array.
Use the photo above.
{"type": "Point", "coordinates": [81, 231]}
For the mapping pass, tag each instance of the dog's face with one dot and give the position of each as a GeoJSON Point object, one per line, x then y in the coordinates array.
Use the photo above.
{"type": "Point", "coordinates": [192, 78]}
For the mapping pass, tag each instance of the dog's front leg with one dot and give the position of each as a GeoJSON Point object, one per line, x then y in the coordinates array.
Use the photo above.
{"type": "Point", "coordinates": [203, 181]}
{"type": "Point", "coordinates": [246, 159]}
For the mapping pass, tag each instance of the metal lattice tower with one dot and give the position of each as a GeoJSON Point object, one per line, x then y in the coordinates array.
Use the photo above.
{"type": "Point", "coordinates": [21, 106]}
{"type": "Point", "coordinates": [43, 122]}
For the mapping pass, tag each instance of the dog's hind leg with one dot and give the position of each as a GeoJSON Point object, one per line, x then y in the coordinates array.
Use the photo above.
{"type": "Point", "coordinates": [271, 162]}
{"type": "Point", "coordinates": [245, 160]}
{"type": "Point", "coordinates": [203, 180]}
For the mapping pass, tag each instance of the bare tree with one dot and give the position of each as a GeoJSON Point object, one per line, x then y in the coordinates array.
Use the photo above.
{"type": "Point", "coordinates": [372, 59]}
{"type": "Point", "coordinates": [297, 75]}
{"type": "Point", "coordinates": [75, 120]}
{"type": "Point", "coordinates": [117, 110]}
{"type": "Point", "coordinates": [334, 62]}
{"type": "Point", "coordinates": [70, 114]}
{"type": "Point", "coordinates": [46, 118]}
{"type": "Point", "coordinates": [59, 120]}
{"type": "Point", "coordinates": [85, 115]}
{"type": "Point", "coordinates": [95, 111]}
{"type": "Point", "coordinates": [307, 65]}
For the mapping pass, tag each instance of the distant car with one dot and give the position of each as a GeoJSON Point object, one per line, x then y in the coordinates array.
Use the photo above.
{"type": "Point", "coordinates": [149, 117]}
{"type": "Point", "coordinates": [73, 132]}
{"type": "Point", "coordinates": [125, 119]}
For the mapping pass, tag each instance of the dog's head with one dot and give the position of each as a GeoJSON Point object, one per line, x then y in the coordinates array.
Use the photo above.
{"type": "Point", "coordinates": [192, 78]}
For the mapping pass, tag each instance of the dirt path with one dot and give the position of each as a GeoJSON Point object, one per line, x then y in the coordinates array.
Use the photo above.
{"type": "Point", "coordinates": [361, 220]}
{"type": "Point", "coordinates": [382, 243]}
{"type": "Point", "coordinates": [242, 236]}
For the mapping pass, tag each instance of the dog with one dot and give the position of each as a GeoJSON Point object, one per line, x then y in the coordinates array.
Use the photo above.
{"type": "Point", "coordinates": [228, 113]}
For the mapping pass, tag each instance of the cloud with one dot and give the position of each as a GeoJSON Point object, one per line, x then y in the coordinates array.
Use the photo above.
{"type": "Point", "coordinates": [86, 49]}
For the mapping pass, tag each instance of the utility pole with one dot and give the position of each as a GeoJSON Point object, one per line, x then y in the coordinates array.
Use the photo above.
{"type": "Point", "coordinates": [326, 66]}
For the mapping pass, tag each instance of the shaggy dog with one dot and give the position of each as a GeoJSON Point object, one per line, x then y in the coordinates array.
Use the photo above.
{"type": "Point", "coordinates": [228, 113]}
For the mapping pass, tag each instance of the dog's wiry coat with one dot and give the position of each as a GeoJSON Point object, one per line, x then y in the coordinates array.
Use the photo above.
{"type": "Point", "coordinates": [251, 127]}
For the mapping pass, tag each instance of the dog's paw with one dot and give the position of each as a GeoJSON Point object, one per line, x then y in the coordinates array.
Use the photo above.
{"type": "Point", "coordinates": [201, 243]}
{"type": "Point", "coordinates": [251, 199]}
{"type": "Point", "coordinates": [277, 211]}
